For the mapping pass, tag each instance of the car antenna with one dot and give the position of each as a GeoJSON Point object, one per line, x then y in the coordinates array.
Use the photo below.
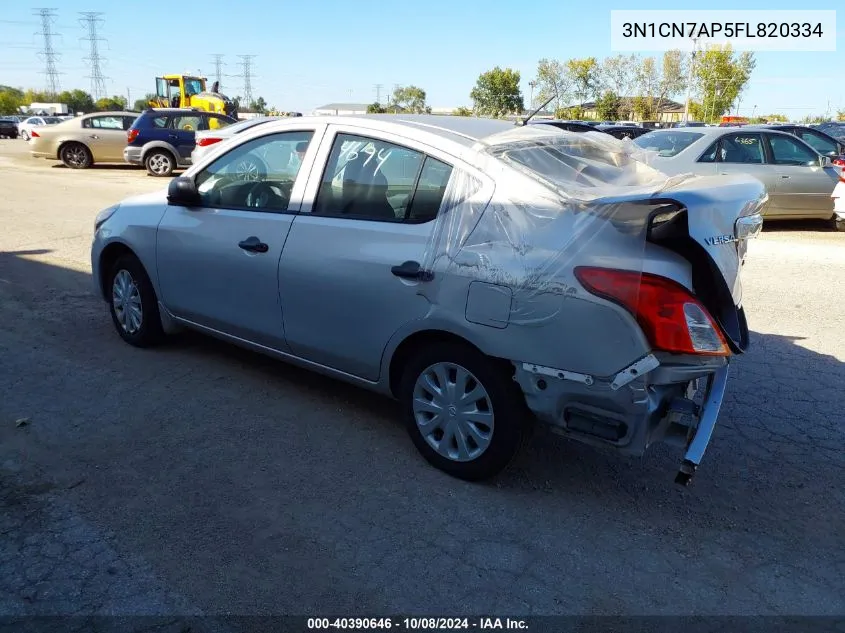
{"type": "Point", "coordinates": [521, 122]}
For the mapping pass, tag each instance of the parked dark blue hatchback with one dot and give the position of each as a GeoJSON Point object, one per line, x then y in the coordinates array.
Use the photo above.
{"type": "Point", "coordinates": [162, 139]}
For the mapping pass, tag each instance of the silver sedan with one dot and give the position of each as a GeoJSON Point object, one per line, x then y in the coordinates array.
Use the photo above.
{"type": "Point", "coordinates": [798, 180]}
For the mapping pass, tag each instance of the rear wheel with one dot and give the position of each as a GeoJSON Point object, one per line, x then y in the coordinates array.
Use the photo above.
{"type": "Point", "coordinates": [463, 411]}
{"type": "Point", "coordinates": [160, 163]}
{"type": "Point", "coordinates": [25, 135]}
{"type": "Point", "coordinates": [75, 156]}
{"type": "Point", "coordinates": [838, 223]}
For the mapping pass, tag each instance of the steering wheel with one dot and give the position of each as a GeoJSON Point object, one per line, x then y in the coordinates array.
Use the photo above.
{"type": "Point", "coordinates": [260, 195]}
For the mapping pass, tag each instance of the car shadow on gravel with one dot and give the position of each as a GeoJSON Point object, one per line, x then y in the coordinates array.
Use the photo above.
{"type": "Point", "coordinates": [789, 226]}
{"type": "Point", "coordinates": [103, 167]}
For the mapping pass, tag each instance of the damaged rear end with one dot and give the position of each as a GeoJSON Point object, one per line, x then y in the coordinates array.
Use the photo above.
{"type": "Point", "coordinates": [650, 267]}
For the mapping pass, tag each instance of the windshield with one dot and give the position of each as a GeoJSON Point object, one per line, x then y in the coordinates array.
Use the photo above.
{"type": "Point", "coordinates": [50, 120]}
{"type": "Point", "coordinates": [667, 143]}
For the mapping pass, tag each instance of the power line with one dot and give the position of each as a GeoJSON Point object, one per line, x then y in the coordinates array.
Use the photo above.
{"type": "Point", "coordinates": [49, 55]}
{"type": "Point", "coordinates": [90, 20]}
{"type": "Point", "coordinates": [246, 63]}
{"type": "Point", "coordinates": [218, 69]}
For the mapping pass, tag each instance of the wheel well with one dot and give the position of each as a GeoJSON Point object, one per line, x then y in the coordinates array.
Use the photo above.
{"type": "Point", "coordinates": [108, 257]}
{"type": "Point", "coordinates": [163, 150]}
{"type": "Point", "coordinates": [422, 339]}
{"type": "Point", "coordinates": [66, 143]}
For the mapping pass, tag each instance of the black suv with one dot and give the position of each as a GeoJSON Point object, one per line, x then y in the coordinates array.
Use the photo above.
{"type": "Point", "coordinates": [162, 139]}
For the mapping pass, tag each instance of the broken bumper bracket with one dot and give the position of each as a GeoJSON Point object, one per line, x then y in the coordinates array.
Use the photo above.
{"type": "Point", "coordinates": [709, 416]}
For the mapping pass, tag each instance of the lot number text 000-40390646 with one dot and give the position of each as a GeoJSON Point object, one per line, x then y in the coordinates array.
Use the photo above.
{"type": "Point", "coordinates": [652, 30]}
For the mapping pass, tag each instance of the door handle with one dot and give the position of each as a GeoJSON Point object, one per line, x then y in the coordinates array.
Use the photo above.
{"type": "Point", "coordinates": [254, 245]}
{"type": "Point", "coordinates": [93, 136]}
{"type": "Point", "coordinates": [412, 270]}
{"type": "Point", "coordinates": [172, 136]}
{"type": "Point", "coordinates": [784, 176]}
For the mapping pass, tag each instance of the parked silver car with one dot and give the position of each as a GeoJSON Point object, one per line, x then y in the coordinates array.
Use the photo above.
{"type": "Point", "coordinates": [798, 180]}
{"type": "Point", "coordinates": [486, 275]}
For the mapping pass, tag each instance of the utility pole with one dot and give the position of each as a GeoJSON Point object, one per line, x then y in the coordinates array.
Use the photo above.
{"type": "Point", "coordinates": [218, 69]}
{"type": "Point", "coordinates": [48, 53]}
{"type": "Point", "coordinates": [378, 93]}
{"type": "Point", "coordinates": [532, 84]}
{"type": "Point", "coordinates": [246, 64]}
{"type": "Point", "coordinates": [90, 20]}
{"type": "Point", "coordinates": [128, 98]}
{"type": "Point", "coordinates": [689, 78]}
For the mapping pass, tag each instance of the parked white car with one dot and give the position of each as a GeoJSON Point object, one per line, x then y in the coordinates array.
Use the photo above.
{"type": "Point", "coordinates": [838, 196]}
{"type": "Point", "coordinates": [25, 127]}
{"type": "Point", "coordinates": [210, 140]}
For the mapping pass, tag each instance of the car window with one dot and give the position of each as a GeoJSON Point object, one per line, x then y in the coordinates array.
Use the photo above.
{"type": "Point", "coordinates": [667, 144]}
{"type": "Point", "coordinates": [710, 155]}
{"type": "Point", "coordinates": [257, 175]}
{"type": "Point", "coordinates": [368, 179]}
{"type": "Point", "coordinates": [430, 190]}
{"type": "Point", "coordinates": [128, 121]}
{"type": "Point", "coordinates": [104, 122]}
{"type": "Point", "coordinates": [821, 144]}
{"type": "Point", "coordinates": [187, 123]}
{"type": "Point", "coordinates": [741, 148]}
{"type": "Point", "coordinates": [789, 151]}
{"type": "Point", "coordinates": [159, 122]}
{"type": "Point", "coordinates": [216, 122]}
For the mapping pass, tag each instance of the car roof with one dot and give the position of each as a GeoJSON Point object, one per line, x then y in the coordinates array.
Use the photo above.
{"type": "Point", "coordinates": [465, 131]}
{"type": "Point", "coordinates": [109, 113]}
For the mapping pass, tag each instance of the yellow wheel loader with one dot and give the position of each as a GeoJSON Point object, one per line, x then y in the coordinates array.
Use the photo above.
{"type": "Point", "coordinates": [186, 91]}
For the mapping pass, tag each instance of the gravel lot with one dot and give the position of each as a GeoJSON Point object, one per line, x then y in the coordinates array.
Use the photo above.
{"type": "Point", "coordinates": [200, 478]}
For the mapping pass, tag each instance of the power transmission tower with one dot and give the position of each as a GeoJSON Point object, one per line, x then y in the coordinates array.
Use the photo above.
{"type": "Point", "coordinates": [218, 69]}
{"type": "Point", "coordinates": [49, 55]}
{"type": "Point", "coordinates": [90, 20]}
{"type": "Point", "coordinates": [246, 64]}
{"type": "Point", "coordinates": [378, 93]}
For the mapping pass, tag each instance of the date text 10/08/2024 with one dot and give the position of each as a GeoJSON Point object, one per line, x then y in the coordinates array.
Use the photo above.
{"type": "Point", "coordinates": [723, 29]}
{"type": "Point", "coordinates": [416, 624]}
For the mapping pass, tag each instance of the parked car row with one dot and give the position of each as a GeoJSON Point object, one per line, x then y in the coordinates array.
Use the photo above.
{"type": "Point", "coordinates": [161, 140]}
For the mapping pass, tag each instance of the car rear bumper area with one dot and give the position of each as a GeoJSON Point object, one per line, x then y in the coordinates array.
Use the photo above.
{"type": "Point", "coordinates": [132, 155]}
{"type": "Point", "coordinates": [672, 400]}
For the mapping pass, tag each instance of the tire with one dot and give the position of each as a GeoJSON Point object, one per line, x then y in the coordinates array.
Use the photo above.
{"type": "Point", "coordinates": [128, 279]}
{"type": "Point", "coordinates": [76, 156]}
{"type": "Point", "coordinates": [160, 163]}
{"type": "Point", "coordinates": [25, 135]}
{"type": "Point", "coordinates": [509, 419]}
{"type": "Point", "coordinates": [838, 224]}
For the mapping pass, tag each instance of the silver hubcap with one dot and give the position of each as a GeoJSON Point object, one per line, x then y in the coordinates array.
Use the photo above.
{"type": "Point", "coordinates": [159, 164]}
{"type": "Point", "coordinates": [126, 299]}
{"type": "Point", "coordinates": [247, 170]}
{"type": "Point", "coordinates": [75, 155]}
{"type": "Point", "coordinates": [453, 412]}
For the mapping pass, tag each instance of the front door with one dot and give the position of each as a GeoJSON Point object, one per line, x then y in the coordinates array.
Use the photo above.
{"type": "Point", "coordinates": [805, 187]}
{"type": "Point", "coordinates": [186, 127]}
{"type": "Point", "coordinates": [106, 137]}
{"type": "Point", "coordinates": [343, 288]}
{"type": "Point", "coordinates": [218, 263]}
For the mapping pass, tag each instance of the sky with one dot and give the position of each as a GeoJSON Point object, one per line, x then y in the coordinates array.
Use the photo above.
{"type": "Point", "coordinates": [311, 54]}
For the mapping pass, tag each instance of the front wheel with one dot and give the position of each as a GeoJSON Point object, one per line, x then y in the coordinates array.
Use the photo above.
{"type": "Point", "coordinates": [838, 223]}
{"type": "Point", "coordinates": [25, 135]}
{"type": "Point", "coordinates": [133, 303]}
{"type": "Point", "coordinates": [463, 411]}
{"type": "Point", "coordinates": [160, 163]}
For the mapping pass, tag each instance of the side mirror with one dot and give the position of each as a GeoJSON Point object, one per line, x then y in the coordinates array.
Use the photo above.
{"type": "Point", "coordinates": [182, 192]}
{"type": "Point", "coordinates": [824, 161]}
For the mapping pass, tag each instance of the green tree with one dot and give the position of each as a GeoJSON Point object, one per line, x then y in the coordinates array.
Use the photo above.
{"type": "Point", "coordinates": [142, 104]}
{"type": "Point", "coordinates": [375, 108]}
{"type": "Point", "coordinates": [462, 111]}
{"type": "Point", "coordinates": [409, 99]}
{"type": "Point", "coordinates": [780, 118]}
{"type": "Point", "coordinates": [76, 100]}
{"type": "Point", "coordinates": [553, 81]}
{"type": "Point", "coordinates": [585, 77]}
{"type": "Point", "coordinates": [10, 100]}
{"type": "Point", "coordinates": [258, 105]}
{"type": "Point", "coordinates": [719, 77]}
{"type": "Point", "coordinates": [111, 103]}
{"type": "Point", "coordinates": [607, 106]}
{"type": "Point", "coordinates": [647, 79]}
{"type": "Point", "coordinates": [497, 93]}
{"type": "Point", "coordinates": [36, 96]}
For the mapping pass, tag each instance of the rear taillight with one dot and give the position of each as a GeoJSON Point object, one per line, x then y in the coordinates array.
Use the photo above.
{"type": "Point", "coordinates": [672, 319]}
{"type": "Point", "coordinates": [132, 135]}
{"type": "Point", "coordinates": [35, 134]}
{"type": "Point", "coordinates": [208, 140]}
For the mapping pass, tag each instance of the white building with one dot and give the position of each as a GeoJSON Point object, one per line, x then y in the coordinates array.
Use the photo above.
{"type": "Point", "coordinates": [331, 109]}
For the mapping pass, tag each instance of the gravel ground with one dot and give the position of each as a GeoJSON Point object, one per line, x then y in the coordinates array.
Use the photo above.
{"type": "Point", "coordinates": [202, 479]}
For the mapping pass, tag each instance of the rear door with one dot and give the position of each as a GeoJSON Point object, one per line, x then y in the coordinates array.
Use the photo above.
{"type": "Point", "coordinates": [185, 127]}
{"type": "Point", "coordinates": [822, 143]}
{"type": "Point", "coordinates": [342, 283]}
{"type": "Point", "coordinates": [804, 186]}
{"type": "Point", "coordinates": [105, 137]}
{"type": "Point", "coordinates": [744, 153]}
